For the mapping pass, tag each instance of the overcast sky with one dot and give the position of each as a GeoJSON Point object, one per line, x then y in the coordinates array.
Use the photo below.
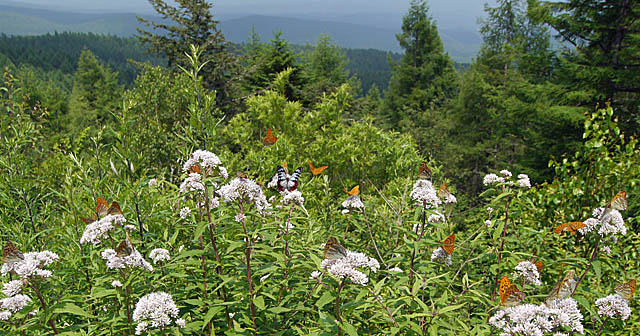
{"type": "Point", "coordinates": [446, 12]}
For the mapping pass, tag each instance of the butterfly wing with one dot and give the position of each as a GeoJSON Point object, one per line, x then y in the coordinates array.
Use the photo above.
{"type": "Point", "coordinates": [102, 207]}
{"type": "Point", "coordinates": [115, 209]}
{"type": "Point", "coordinates": [242, 175]}
{"type": "Point", "coordinates": [11, 254]}
{"type": "Point", "coordinates": [510, 295]}
{"type": "Point", "coordinates": [563, 288]}
{"type": "Point", "coordinates": [424, 171]}
{"type": "Point", "coordinates": [316, 171]}
{"type": "Point", "coordinates": [539, 265]}
{"type": "Point", "coordinates": [355, 191]}
{"type": "Point", "coordinates": [125, 248]}
{"type": "Point", "coordinates": [333, 249]}
{"type": "Point", "coordinates": [570, 227]}
{"type": "Point", "coordinates": [449, 244]}
{"type": "Point", "coordinates": [292, 183]}
{"type": "Point", "coordinates": [619, 202]}
{"type": "Point", "coordinates": [443, 193]}
{"type": "Point", "coordinates": [626, 290]}
{"type": "Point", "coordinates": [87, 220]}
{"type": "Point", "coordinates": [283, 179]}
{"type": "Point", "coordinates": [195, 169]}
{"type": "Point", "coordinates": [269, 139]}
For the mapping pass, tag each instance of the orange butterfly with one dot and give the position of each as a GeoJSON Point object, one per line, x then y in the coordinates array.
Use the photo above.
{"type": "Point", "coordinates": [538, 265]}
{"type": "Point", "coordinates": [89, 220]}
{"type": "Point", "coordinates": [195, 169]}
{"type": "Point", "coordinates": [317, 171]}
{"type": "Point", "coordinates": [449, 244]}
{"type": "Point", "coordinates": [626, 289]}
{"type": "Point", "coordinates": [424, 170]}
{"type": "Point", "coordinates": [269, 139]}
{"type": "Point", "coordinates": [570, 227]}
{"type": "Point", "coordinates": [443, 193]}
{"type": "Point", "coordinates": [619, 202]}
{"type": "Point", "coordinates": [125, 248]}
{"type": "Point", "coordinates": [333, 249]}
{"type": "Point", "coordinates": [510, 295]}
{"type": "Point", "coordinates": [242, 175]}
{"type": "Point", "coordinates": [563, 288]}
{"type": "Point", "coordinates": [11, 254]}
{"type": "Point", "coordinates": [354, 192]}
{"type": "Point", "coordinates": [103, 208]}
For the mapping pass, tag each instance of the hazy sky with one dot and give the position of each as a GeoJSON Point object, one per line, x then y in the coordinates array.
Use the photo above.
{"type": "Point", "coordinates": [446, 12]}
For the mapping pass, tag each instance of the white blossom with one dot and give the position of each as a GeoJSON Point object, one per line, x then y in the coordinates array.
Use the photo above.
{"type": "Point", "coordinates": [450, 199]}
{"type": "Point", "coordinates": [612, 223]}
{"type": "Point", "coordinates": [589, 225]}
{"type": "Point", "coordinates": [153, 183]}
{"type": "Point", "coordinates": [239, 217]}
{"type": "Point", "coordinates": [5, 315]}
{"type": "Point", "coordinates": [395, 269]}
{"type": "Point", "coordinates": [12, 288]}
{"type": "Point", "coordinates": [425, 195]}
{"type": "Point", "coordinates": [95, 232]}
{"type": "Point", "coordinates": [292, 197]}
{"type": "Point", "coordinates": [273, 184]}
{"type": "Point", "coordinates": [353, 203]}
{"type": "Point", "coordinates": [181, 323]}
{"type": "Point", "coordinates": [492, 179]}
{"type": "Point", "coordinates": [32, 265]}
{"type": "Point", "coordinates": [605, 249]}
{"type": "Point", "coordinates": [130, 227]}
{"type": "Point", "coordinates": [439, 255]}
{"type": "Point", "coordinates": [185, 212]}
{"type": "Point", "coordinates": [246, 190]}
{"type": "Point", "coordinates": [436, 217]}
{"type": "Point", "coordinates": [536, 320]}
{"type": "Point", "coordinates": [158, 255]}
{"type": "Point", "coordinates": [488, 223]}
{"type": "Point", "coordinates": [315, 275]}
{"type": "Point", "coordinates": [192, 183]}
{"type": "Point", "coordinates": [613, 305]}
{"type": "Point", "coordinates": [529, 272]}
{"type": "Point", "coordinates": [346, 267]}
{"type": "Point", "coordinates": [135, 259]}
{"type": "Point", "coordinates": [523, 181]}
{"type": "Point", "coordinates": [207, 161]}
{"type": "Point", "coordinates": [116, 283]}
{"type": "Point", "coordinates": [506, 173]}
{"type": "Point", "coordinates": [15, 303]}
{"type": "Point", "coordinates": [141, 327]}
{"type": "Point", "coordinates": [157, 309]}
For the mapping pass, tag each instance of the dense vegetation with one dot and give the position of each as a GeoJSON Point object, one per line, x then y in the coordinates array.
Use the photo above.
{"type": "Point", "coordinates": [416, 226]}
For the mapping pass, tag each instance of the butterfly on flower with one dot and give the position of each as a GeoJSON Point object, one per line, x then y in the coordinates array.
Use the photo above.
{"type": "Point", "coordinates": [618, 202]}
{"type": "Point", "coordinates": [269, 139]}
{"type": "Point", "coordinates": [333, 249]}
{"type": "Point", "coordinates": [125, 248]}
{"type": "Point", "coordinates": [443, 193]}
{"type": "Point", "coordinates": [563, 288]}
{"type": "Point", "coordinates": [11, 254]}
{"type": "Point", "coordinates": [103, 208]}
{"type": "Point", "coordinates": [287, 182]}
{"type": "Point", "coordinates": [242, 175]}
{"type": "Point", "coordinates": [424, 171]}
{"type": "Point", "coordinates": [510, 295]}
{"type": "Point", "coordinates": [538, 265]}
{"type": "Point", "coordinates": [195, 169]}
{"type": "Point", "coordinates": [570, 227]}
{"type": "Point", "coordinates": [449, 244]}
{"type": "Point", "coordinates": [626, 289]}
{"type": "Point", "coordinates": [355, 191]}
{"type": "Point", "coordinates": [317, 171]}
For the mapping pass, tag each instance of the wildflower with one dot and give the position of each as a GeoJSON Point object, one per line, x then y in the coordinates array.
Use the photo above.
{"type": "Point", "coordinates": [32, 265]}
{"type": "Point", "coordinates": [395, 269]}
{"type": "Point", "coordinates": [492, 179]}
{"type": "Point", "coordinates": [157, 308]}
{"type": "Point", "coordinates": [153, 183]}
{"type": "Point", "coordinates": [5, 315]}
{"type": "Point", "coordinates": [589, 225]}
{"type": "Point", "coordinates": [353, 203]}
{"type": "Point", "coordinates": [207, 161]}
{"type": "Point", "coordinates": [130, 227]}
{"type": "Point", "coordinates": [346, 267]}
{"type": "Point", "coordinates": [158, 255]}
{"type": "Point", "coordinates": [605, 249]}
{"type": "Point", "coordinates": [523, 181]}
{"type": "Point", "coordinates": [489, 209]}
{"type": "Point", "coordinates": [529, 272]}
{"type": "Point", "coordinates": [439, 255]}
{"type": "Point", "coordinates": [98, 230]}
{"type": "Point", "coordinates": [141, 327]}
{"type": "Point", "coordinates": [273, 184]}
{"type": "Point", "coordinates": [192, 183]}
{"type": "Point", "coordinates": [116, 283]}
{"type": "Point", "coordinates": [185, 212]}
{"type": "Point", "coordinates": [613, 305]}
{"type": "Point", "coordinates": [450, 199]}
{"type": "Point", "coordinates": [488, 223]}
{"type": "Point", "coordinates": [424, 194]}
{"type": "Point", "coordinates": [181, 323]}
{"type": "Point", "coordinates": [239, 217]}
{"type": "Point", "coordinates": [15, 303]}
{"type": "Point", "coordinates": [315, 275]}
{"type": "Point", "coordinates": [293, 197]}
{"type": "Point", "coordinates": [288, 226]}
{"type": "Point", "coordinates": [612, 223]}
{"type": "Point", "coordinates": [135, 259]}
{"type": "Point", "coordinates": [534, 320]}
{"type": "Point", "coordinates": [436, 217]}
{"type": "Point", "coordinates": [244, 190]}
{"type": "Point", "coordinates": [506, 173]}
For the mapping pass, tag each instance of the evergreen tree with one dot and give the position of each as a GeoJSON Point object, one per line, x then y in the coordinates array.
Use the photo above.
{"type": "Point", "coordinates": [193, 23]}
{"type": "Point", "coordinates": [422, 81]}
{"type": "Point", "coordinates": [603, 60]}
{"type": "Point", "coordinates": [326, 68]}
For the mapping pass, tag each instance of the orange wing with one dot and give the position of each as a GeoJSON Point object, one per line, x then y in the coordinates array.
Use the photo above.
{"type": "Point", "coordinates": [627, 289]}
{"type": "Point", "coordinates": [242, 175]}
{"type": "Point", "coordinates": [444, 191]}
{"type": "Point", "coordinates": [539, 265]}
{"type": "Point", "coordinates": [354, 192]}
{"type": "Point", "coordinates": [449, 244]}
{"type": "Point", "coordinates": [510, 295]}
{"type": "Point", "coordinates": [424, 170]}
{"type": "Point", "coordinates": [317, 171]}
{"type": "Point", "coordinates": [195, 169]}
{"type": "Point", "coordinates": [102, 207]}
{"type": "Point", "coordinates": [570, 227]}
{"type": "Point", "coordinates": [269, 139]}
{"type": "Point", "coordinates": [114, 209]}
{"type": "Point", "coordinates": [619, 202]}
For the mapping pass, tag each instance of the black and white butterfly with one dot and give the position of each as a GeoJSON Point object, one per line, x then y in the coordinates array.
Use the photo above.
{"type": "Point", "coordinates": [288, 182]}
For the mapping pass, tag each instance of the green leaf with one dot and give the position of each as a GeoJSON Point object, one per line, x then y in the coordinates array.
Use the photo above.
{"type": "Point", "coordinates": [498, 230]}
{"type": "Point", "coordinates": [259, 302]}
{"type": "Point", "coordinates": [70, 308]}
{"type": "Point", "coordinates": [350, 329]}
{"type": "Point", "coordinates": [324, 299]}
{"type": "Point", "coordinates": [210, 314]}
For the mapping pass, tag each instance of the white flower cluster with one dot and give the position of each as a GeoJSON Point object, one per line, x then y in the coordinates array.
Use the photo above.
{"type": "Point", "coordinates": [242, 189]}
{"type": "Point", "coordinates": [523, 181]}
{"type": "Point", "coordinates": [395, 269]}
{"type": "Point", "coordinates": [292, 197]}
{"type": "Point", "coordinates": [529, 272]}
{"type": "Point", "coordinates": [185, 212]}
{"type": "Point", "coordinates": [424, 194]}
{"type": "Point", "coordinates": [436, 217]}
{"type": "Point", "coordinates": [153, 183]}
{"type": "Point", "coordinates": [158, 255]}
{"type": "Point", "coordinates": [13, 287]}
{"type": "Point", "coordinates": [98, 230]}
{"type": "Point", "coordinates": [346, 267]}
{"type": "Point", "coordinates": [273, 184]}
{"type": "Point", "coordinates": [32, 265]}
{"type": "Point", "coordinates": [135, 259]}
{"type": "Point", "coordinates": [492, 179]}
{"type": "Point", "coordinates": [315, 275]}
{"type": "Point", "coordinates": [116, 283]}
{"type": "Point", "coordinates": [613, 305]}
{"type": "Point", "coordinates": [157, 310]}
{"type": "Point", "coordinates": [439, 255]}
{"type": "Point", "coordinates": [536, 320]}
{"type": "Point", "coordinates": [608, 223]}
{"type": "Point", "coordinates": [207, 162]}
{"type": "Point", "coordinates": [192, 183]}
{"type": "Point", "coordinates": [352, 203]}
{"type": "Point", "coordinates": [14, 301]}
{"type": "Point", "coordinates": [506, 173]}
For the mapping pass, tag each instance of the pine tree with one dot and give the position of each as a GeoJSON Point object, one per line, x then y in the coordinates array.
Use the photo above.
{"type": "Point", "coordinates": [193, 23]}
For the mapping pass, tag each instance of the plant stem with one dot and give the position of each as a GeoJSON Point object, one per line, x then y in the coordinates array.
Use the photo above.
{"type": "Point", "coordinates": [44, 306]}
{"type": "Point", "coordinates": [248, 257]}
{"type": "Point", "coordinates": [504, 236]}
{"type": "Point", "coordinates": [602, 326]}
{"type": "Point", "coordinates": [413, 253]}
{"type": "Point", "coordinates": [593, 256]}
{"type": "Point", "coordinates": [338, 305]}
{"type": "Point", "coordinates": [135, 198]}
